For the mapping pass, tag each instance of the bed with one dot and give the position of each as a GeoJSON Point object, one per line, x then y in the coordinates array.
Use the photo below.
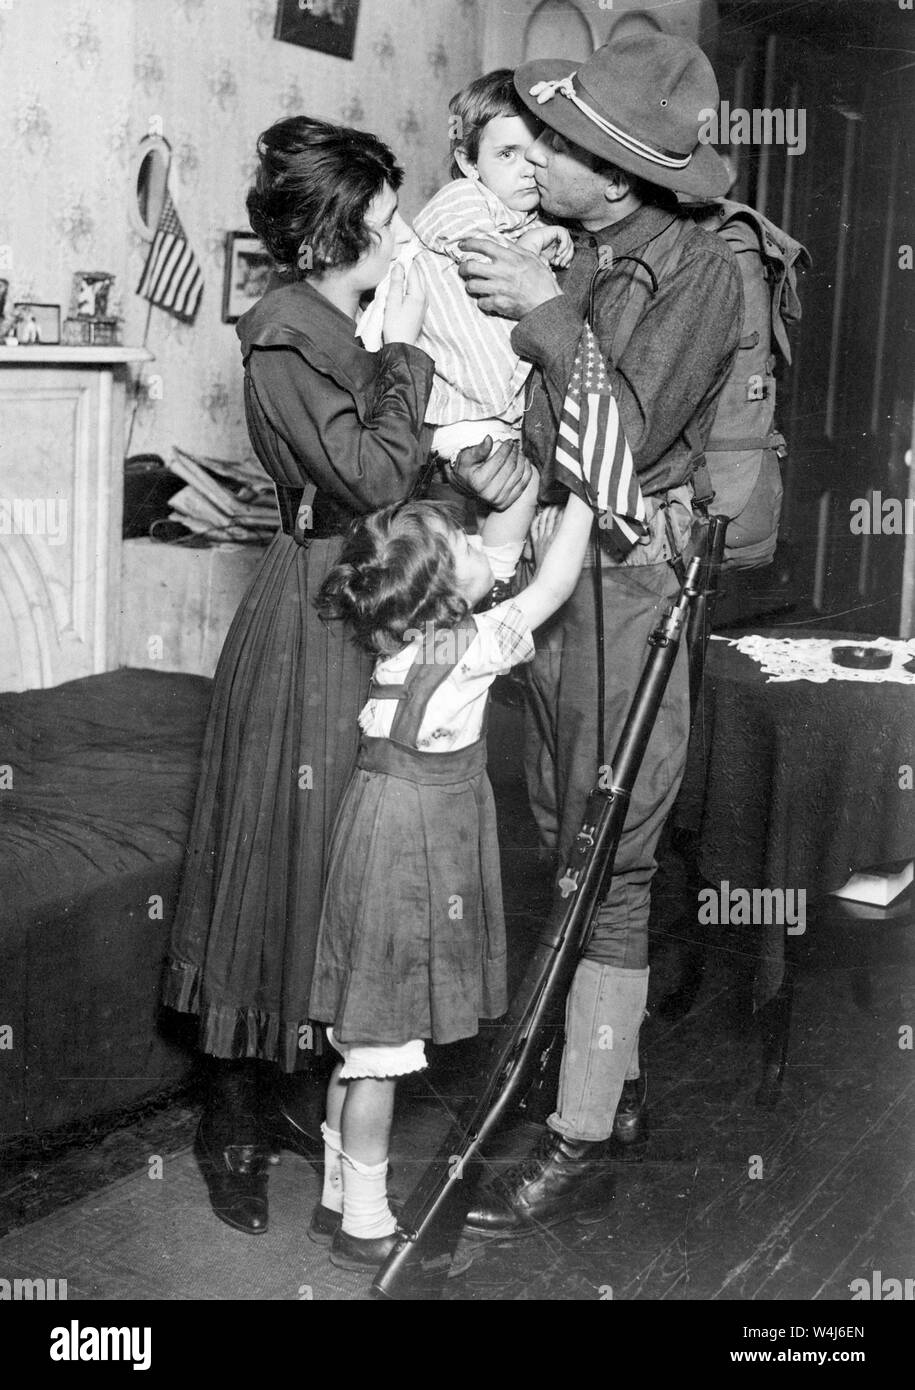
{"type": "Point", "coordinates": [97, 781]}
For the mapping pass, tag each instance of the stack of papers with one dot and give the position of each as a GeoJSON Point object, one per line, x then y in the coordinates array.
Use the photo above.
{"type": "Point", "coordinates": [222, 500]}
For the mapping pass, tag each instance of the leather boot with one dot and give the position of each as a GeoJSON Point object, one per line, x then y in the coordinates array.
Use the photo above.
{"type": "Point", "coordinates": [562, 1178]}
{"type": "Point", "coordinates": [230, 1147]}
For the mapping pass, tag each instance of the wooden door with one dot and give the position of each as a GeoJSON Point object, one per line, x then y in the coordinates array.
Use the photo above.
{"type": "Point", "coordinates": [846, 405]}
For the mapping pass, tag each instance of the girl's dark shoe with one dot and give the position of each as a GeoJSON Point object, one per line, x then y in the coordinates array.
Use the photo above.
{"type": "Point", "coordinates": [353, 1252]}
{"type": "Point", "coordinates": [324, 1224]}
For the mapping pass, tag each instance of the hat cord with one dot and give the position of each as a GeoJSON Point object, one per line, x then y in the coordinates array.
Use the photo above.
{"type": "Point", "coordinates": [545, 91]}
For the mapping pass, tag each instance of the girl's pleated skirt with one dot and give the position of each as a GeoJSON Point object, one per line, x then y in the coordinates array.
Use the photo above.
{"type": "Point", "coordinates": [412, 936]}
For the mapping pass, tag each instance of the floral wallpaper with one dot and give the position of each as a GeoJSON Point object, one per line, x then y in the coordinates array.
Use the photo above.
{"type": "Point", "coordinates": [81, 83]}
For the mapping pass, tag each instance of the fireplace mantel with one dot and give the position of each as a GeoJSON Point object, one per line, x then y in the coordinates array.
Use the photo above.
{"type": "Point", "coordinates": [38, 355]}
{"type": "Point", "coordinates": [61, 503]}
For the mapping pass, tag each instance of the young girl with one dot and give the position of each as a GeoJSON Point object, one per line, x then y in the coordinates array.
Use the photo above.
{"type": "Point", "coordinates": [412, 942]}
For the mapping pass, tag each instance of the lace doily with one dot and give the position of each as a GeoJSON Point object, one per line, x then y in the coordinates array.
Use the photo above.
{"type": "Point", "coordinates": [810, 658]}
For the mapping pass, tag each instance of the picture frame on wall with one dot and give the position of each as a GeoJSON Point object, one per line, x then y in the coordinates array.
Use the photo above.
{"type": "Point", "coordinates": [329, 26]}
{"type": "Point", "coordinates": [247, 274]}
{"type": "Point", "coordinates": [91, 293]}
{"type": "Point", "coordinates": [36, 324]}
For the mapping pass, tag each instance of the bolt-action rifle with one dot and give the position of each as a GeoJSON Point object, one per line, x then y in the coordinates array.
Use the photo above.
{"type": "Point", "coordinates": [430, 1222]}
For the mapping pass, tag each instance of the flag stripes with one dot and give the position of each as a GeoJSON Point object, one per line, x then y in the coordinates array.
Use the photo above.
{"type": "Point", "coordinates": [593, 457]}
{"type": "Point", "coordinates": [172, 278]}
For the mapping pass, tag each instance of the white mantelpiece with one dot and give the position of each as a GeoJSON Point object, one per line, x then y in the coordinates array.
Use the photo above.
{"type": "Point", "coordinates": [57, 356]}
{"type": "Point", "coordinates": [61, 503]}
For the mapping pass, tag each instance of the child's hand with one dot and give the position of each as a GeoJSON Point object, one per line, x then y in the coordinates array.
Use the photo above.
{"type": "Point", "coordinates": [405, 308]}
{"type": "Point", "coordinates": [543, 529]}
{"type": "Point", "coordinates": [552, 244]}
{"type": "Point", "coordinates": [562, 255]}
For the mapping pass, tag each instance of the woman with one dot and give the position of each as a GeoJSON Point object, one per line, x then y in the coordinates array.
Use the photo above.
{"type": "Point", "coordinates": [340, 432]}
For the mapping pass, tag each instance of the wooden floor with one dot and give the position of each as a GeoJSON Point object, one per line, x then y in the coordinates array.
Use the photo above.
{"type": "Point", "coordinates": [730, 1201]}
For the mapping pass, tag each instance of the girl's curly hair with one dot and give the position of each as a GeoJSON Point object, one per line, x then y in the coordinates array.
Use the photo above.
{"type": "Point", "coordinates": [395, 572]}
{"type": "Point", "coordinates": [312, 189]}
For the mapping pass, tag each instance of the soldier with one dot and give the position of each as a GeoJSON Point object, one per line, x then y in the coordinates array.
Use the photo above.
{"type": "Point", "coordinates": [621, 140]}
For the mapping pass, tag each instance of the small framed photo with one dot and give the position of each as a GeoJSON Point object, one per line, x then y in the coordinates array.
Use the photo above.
{"type": "Point", "coordinates": [247, 274]}
{"type": "Point", "coordinates": [326, 25]}
{"type": "Point", "coordinates": [91, 292]}
{"type": "Point", "coordinates": [36, 323]}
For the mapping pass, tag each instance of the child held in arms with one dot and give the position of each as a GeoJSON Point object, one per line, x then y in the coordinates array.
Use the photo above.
{"type": "Point", "coordinates": [479, 380]}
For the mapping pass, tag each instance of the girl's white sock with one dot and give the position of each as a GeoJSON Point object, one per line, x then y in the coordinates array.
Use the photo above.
{"type": "Point", "coordinates": [366, 1213]}
{"type": "Point", "coordinates": [332, 1192]}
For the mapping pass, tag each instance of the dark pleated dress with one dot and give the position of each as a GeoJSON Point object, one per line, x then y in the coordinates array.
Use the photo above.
{"type": "Point", "coordinates": [283, 728]}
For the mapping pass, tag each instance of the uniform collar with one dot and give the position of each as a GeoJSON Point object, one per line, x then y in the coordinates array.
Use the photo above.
{"type": "Point", "coordinates": [631, 233]}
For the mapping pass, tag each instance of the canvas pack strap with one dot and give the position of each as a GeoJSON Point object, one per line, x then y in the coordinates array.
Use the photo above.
{"type": "Point", "coordinates": [658, 258]}
{"type": "Point", "coordinates": [773, 440]}
{"type": "Point", "coordinates": [666, 250]}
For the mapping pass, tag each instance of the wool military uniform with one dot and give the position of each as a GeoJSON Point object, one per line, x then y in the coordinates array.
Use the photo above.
{"type": "Point", "coordinates": [665, 383]}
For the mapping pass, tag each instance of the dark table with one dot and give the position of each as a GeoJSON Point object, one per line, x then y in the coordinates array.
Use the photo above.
{"type": "Point", "coordinates": [794, 785]}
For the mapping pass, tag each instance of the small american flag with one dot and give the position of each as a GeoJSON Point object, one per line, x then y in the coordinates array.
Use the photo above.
{"type": "Point", "coordinates": [592, 455]}
{"type": "Point", "coordinates": [172, 278]}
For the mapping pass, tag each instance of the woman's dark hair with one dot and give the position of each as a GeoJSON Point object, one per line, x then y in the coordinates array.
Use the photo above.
{"type": "Point", "coordinates": [474, 106]}
{"type": "Point", "coordinates": [395, 572]}
{"type": "Point", "coordinates": [312, 190]}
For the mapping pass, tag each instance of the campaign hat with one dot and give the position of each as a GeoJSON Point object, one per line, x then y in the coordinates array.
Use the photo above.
{"type": "Point", "coordinates": [639, 103]}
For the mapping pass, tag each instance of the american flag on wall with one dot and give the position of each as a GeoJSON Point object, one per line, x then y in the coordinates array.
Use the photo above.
{"type": "Point", "coordinates": [172, 277]}
{"type": "Point", "coordinates": [592, 455]}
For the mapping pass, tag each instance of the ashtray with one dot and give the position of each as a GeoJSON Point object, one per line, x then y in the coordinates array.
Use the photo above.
{"type": "Point", "coordinates": [862, 658]}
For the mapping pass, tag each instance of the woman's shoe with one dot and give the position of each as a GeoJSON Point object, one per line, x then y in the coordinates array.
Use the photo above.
{"type": "Point", "coordinates": [231, 1145]}
{"type": "Point", "coordinates": [297, 1108]}
{"type": "Point", "coordinates": [236, 1176]}
{"type": "Point", "coordinates": [354, 1252]}
{"type": "Point", "coordinates": [288, 1133]}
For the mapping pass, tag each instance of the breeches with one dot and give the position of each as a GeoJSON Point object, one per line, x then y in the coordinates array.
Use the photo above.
{"type": "Point", "coordinates": [562, 761]}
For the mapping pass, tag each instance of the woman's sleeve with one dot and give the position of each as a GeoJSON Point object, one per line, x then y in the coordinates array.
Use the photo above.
{"type": "Point", "coordinates": [365, 453]}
